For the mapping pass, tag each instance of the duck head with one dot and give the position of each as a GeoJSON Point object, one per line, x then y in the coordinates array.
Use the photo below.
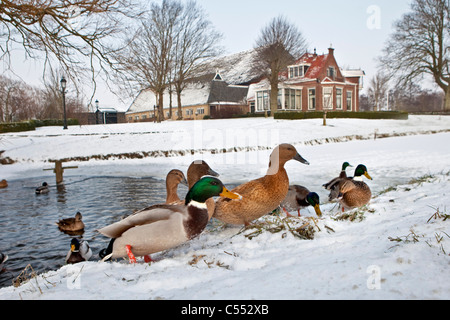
{"type": "Point", "coordinates": [198, 169]}
{"type": "Point", "coordinates": [281, 154]}
{"type": "Point", "coordinates": [74, 245]}
{"type": "Point", "coordinates": [78, 216]}
{"type": "Point", "coordinates": [345, 165]}
{"type": "Point", "coordinates": [313, 199]}
{"type": "Point", "coordinates": [362, 170]}
{"type": "Point", "coordinates": [175, 177]}
{"type": "Point", "coordinates": [208, 187]}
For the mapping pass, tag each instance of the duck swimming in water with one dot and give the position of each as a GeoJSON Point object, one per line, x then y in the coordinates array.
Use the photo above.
{"type": "Point", "coordinates": [43, 188]}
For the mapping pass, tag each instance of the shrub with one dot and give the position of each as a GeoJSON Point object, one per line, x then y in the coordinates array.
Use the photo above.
{"type": "Point", "coordinates": [33, 124]}
{"type": "Point", "coordinates": [395, 115]}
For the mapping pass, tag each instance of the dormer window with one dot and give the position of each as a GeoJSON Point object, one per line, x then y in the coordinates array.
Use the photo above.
{"type": "Point", "coordinates": [297, 71]}
{"type": "Point", "coordinates": [330, 72]}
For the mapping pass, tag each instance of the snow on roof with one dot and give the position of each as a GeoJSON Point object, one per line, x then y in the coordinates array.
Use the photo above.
{"type": "Point", "coordinates": [195, 93]}
{"type": "Point", "coordinates": [353, 73]}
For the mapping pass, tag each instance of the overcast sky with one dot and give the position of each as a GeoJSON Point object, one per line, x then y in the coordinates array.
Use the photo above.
{"type": "Point", "coordinates": [357, 30]}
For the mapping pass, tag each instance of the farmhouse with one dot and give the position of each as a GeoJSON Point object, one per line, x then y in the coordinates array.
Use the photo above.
{"type": "Point", "coordinates": [313, 83]}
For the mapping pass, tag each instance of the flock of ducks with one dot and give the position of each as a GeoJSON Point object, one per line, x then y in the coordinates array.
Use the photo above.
{"type": "Point", "coordinates": [164, 226]}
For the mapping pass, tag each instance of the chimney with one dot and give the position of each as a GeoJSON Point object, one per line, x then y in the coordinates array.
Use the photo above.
{"type": "Point", "coordinates": [331, 50]}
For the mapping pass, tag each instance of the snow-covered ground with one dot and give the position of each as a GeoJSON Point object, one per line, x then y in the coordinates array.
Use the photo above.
{"type": "Point", "coordinates": [391, 250]}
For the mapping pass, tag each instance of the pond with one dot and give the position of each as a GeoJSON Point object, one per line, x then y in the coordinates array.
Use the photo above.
{"type": "Point", "coordinates": [28, 230]}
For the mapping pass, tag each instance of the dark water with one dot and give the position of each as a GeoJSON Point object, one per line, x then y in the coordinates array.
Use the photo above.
{"type": "Point", "coordinates": [28, 231]}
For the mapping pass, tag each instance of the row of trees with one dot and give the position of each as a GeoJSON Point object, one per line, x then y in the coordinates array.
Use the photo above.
{"type": "Point", "coordinates": [19, 101]}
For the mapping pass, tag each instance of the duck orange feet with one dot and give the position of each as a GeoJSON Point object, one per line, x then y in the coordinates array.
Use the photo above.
{"type": "Point", "coordinates": [130, 254]}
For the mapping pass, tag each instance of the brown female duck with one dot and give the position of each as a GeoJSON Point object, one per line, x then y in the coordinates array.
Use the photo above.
{"type": "Point", "coordinates": [71, 224]}
{"type": "Point", "coordinates": [263, 195]}
{"type": "Point", "coordinates": [173, 179]}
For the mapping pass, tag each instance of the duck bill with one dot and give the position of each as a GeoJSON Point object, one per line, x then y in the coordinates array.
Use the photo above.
{"type": "Point", "coordinates": [368, 176]}
{"type": "Point", "coordinates": [213, 173]}
{"type": "Point", "coordinates": [72, 248]}
{"type": "Point", "coordinates": [299, 158]}
{"type": "Point", "coordinates": [317, 209]}
{"type": "Point", "coordinates": [230, 195]}
{"type": "Point", "coordinates": [184, 182]}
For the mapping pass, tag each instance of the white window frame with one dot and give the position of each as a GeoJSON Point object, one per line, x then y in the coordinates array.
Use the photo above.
{"type": "Point", "coordinates": [340, 100]}
{"type": "Point", "coordinates": [310, 106]}
{"type": "Point", "coordinates": [327, 102]}
{"type": "Point", "coordinates": [262, 100]}
{"type": "Point", "coordinates": [349, 94]}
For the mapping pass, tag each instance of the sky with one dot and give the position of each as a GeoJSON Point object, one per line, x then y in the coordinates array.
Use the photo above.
{"type": "Point", "coordinates": [356, 29]}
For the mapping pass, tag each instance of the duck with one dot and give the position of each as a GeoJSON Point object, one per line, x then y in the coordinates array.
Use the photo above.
{"type": "Point", "coordinates": [198, 169]}
{"type": "Point", "coordinates": [71, 224]}
{"type": "Point", "coordinates": [354, 192]}
{"type": "Point", "coordinates": [333, 184]}
{"type": "Point", "coordinates": [299, 197]}
{"type": "Point", "coordinates": [79, 251]}
{"type": "Point", "coordinates": [3, 259]}
{"type": "Point", "coordinates": [43, 188]}
{"type": "Point", "coordinates": [260, 196]}
{"type": "Point", "coordinates": [165, 226]}
{"type": "Point", "coordinates": [173, 179]}
{"type": "Point", "coordinates": [3, 184]}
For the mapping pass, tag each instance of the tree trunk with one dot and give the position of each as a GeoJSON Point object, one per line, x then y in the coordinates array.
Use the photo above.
{"type": "Point", "coordinates": [160, 107]}
{"type": "Point", "coordinates": [447, 99]}
{"type": "Point", "coordinates": [273, 98]}
{"type": "Point", "coordinates": [180, 111]}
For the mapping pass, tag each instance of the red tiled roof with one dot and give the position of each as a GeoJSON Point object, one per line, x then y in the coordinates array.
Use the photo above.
{"type": "Point", "coordinates": [316, 63]}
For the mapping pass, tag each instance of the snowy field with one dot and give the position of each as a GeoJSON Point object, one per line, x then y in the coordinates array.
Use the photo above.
{"type": "Point", "coordinates": [397, 247]}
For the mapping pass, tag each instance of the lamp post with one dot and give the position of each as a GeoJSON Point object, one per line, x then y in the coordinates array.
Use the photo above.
{"type": "Point", "coordinates": [96, 111]}
{"type": "Point", "coordinates": [63, 90]}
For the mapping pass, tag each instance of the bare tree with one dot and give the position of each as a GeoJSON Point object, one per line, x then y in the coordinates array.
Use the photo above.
{"type": "Point", "coordinates": [75, 34]}
{"type": "Point", "coordinates": [421, 45]}
{"type": "Point", "coordinates": [146, 61]}
{"type": "Point", "coordinates": [378, 89]}
{"type": "Point", "coordinates": [195, 41]}
{"type": "Point", "coordinates": [279, 44]}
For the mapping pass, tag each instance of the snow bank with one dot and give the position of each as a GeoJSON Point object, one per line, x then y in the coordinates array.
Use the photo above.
{"type": "Point", "coordinates": [396, 248]}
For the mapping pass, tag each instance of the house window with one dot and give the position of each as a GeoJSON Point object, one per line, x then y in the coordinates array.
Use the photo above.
{"type": "Point", "coordinates": [189, 112]}
{"type": "Point", "coordinates": [312, 99]}
{"type": "Point", "coordinates": [330, 72]}
{"type": "Point", "coordinates": [349, 100]}
{"type": "Point", "coordinates": [328, 98]}
{"type": "Point", "coordinates": [297, 71]}
{"type": "Point", "coordinates": [201, 111]}
{"type": "Point", "coordinates": [262, 100]}
{"type": "Point", "coordinates": [292, 99]}
{"type": "Point", "coordinates": [339, 98]}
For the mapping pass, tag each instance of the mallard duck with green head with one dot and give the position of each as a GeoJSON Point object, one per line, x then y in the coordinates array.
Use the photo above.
{"type": "Point", "coordinates": [333, 185]}
{"type": "Point", "coordinates": [162, 227]}
{"type": "Point", "coordinates": [79, 251]}
{"type": "Point", "coordinates": [299, 197]}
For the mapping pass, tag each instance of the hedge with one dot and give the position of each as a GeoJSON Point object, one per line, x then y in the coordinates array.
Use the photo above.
{"type": "Point", "coordinates": [395, 115]}
{"type": "Point", "coordinates": [33, 124]}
